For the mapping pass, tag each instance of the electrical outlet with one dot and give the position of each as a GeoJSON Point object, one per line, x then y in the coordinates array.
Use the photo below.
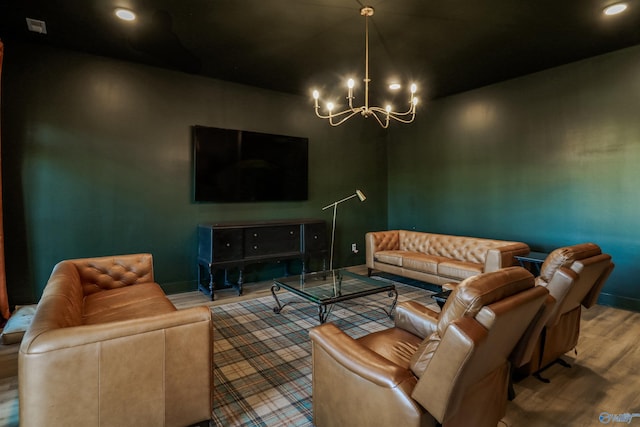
{"type": "Point", "coordinates": [354, 248]}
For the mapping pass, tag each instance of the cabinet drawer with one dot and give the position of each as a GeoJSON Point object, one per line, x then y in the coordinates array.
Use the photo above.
{"type": "Point", "coordinates": [261, 241]}
{"type": "Point", "coordinates": [227, 245]}
{"type": "Point", "coordinates": [315, 237]}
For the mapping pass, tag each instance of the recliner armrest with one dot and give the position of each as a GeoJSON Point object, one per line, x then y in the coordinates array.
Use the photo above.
{"type": "Point", "coordinates": [357, 358]}
{"type": "Point", "coordinates": [416, 318]}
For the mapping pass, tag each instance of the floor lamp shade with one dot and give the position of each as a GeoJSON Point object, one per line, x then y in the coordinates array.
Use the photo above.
{"type": "Point", "coordinates": [360, 195]}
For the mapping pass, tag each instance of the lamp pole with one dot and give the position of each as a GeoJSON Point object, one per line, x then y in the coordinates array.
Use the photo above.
{"type": "Point", "coordinates": [362, 198]}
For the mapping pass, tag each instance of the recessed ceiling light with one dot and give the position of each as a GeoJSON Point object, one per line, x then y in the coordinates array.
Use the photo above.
{"type": "Point", "coordinates": [614, 9]}
{"type": "Point", "coordinates": [125, 14]}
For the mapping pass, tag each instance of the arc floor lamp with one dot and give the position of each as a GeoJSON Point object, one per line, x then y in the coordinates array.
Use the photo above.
{"type": "Point", "coordinates": [359, 194]}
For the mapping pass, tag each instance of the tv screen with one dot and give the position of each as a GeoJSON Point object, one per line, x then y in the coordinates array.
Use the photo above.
{"type": "Point", "coordinates": [243, 166]}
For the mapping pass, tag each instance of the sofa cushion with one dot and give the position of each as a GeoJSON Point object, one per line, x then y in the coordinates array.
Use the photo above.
{"type": "Point", "coordinates": [17, 324]}
{"type": "Point", "coordinates": [390, 257]}
{"type": "Point", "coordinates": [458, 269]}
{"type": "Point", "coordinates": [422, 262]}
{"type": "Point", "coordinates": [130, 302]}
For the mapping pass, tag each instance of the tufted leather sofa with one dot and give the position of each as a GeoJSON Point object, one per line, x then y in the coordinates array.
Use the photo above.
{"type": "Point", "coordinates": [106, 347]}
{"type": "Point", "coordinates": [438, 258]}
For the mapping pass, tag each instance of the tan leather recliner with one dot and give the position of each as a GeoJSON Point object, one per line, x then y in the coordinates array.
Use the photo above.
{"type": "Point", "coordinates": [450, 367]}
{"type": "Point", "coordinates": [574, 276]}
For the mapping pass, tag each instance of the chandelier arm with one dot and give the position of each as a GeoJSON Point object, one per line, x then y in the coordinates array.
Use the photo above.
{"type": "Point", "coordinates": [375, 115]}
{"type": "Point", "coordinates": [344, 119]}
{"type": "Point", "coordinates": [401, 120]}
{"type": "Point", "coordinates": [393, 113]}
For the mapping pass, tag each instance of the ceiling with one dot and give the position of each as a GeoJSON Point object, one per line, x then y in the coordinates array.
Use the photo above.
{"type": "Point", "coordinates": [296, 45]}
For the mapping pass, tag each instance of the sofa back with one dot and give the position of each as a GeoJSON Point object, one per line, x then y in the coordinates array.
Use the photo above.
{"type": "Point", "coordinates": [468, 249]}
{"type": "Point", "coordinates": [62, 301]}
{"type": "Point", "coordinates": [111, 272]}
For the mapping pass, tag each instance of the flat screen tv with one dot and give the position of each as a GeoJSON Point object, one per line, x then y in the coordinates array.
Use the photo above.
{"type": "Point", "coordinates": [242, 166]}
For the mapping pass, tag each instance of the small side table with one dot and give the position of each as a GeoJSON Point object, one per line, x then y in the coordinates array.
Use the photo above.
{"type": "Point", "coordinates": [441, 297]}
{"type": "Point", "coordinates": [532, 261]}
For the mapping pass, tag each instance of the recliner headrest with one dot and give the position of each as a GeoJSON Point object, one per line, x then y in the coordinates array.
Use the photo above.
{"type": "Point", "coordinates": [565, 256]}
{"type": "Point", "coordinates": [478, 291]}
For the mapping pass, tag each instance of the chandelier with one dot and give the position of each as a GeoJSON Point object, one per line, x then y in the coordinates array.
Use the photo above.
{"type": "Point", "coordinates": [382, 115]}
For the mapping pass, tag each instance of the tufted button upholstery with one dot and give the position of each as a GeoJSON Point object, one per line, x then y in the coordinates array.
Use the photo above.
{"type": "Point", "coordinates": [438, 258]}
{"type": "Point", "coordinates": [104, 273]}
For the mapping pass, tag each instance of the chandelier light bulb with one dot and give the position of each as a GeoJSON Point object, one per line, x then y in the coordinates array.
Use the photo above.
{"type": "Point", "coordinates": [388, 109]}
{"type": "Point", "coordinates": [414, 88]}
{"type": "Point", "coordinates": [415, 101]}
{"type": "Point", "coordinates": [395, 86]}
{"type": "Point", "coordinates": [316, 94]}
{"type": "Point", "coordinates": [351, 83]}
{"type": "Point", "coordinates": [330, 106]}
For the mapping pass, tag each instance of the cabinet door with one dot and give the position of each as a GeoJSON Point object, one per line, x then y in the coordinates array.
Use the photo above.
{"type": "Point", "coordinates": [315, 237]}
{"type": "Point", "coordinates": [282, 239]}
{"type": "Point", "coordinates": [227, 245]}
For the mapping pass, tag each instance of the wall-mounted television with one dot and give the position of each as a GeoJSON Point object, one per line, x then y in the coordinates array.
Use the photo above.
{"type": "Point", "coordinates": [243, 166]}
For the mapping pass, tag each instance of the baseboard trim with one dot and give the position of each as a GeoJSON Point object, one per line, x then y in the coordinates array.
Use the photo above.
{"type": "Point", "coordinates": [179, 287]}
{"type": "Point", "coordinates": [618, 301]}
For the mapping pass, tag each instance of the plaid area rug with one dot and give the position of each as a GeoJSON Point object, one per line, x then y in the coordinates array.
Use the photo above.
{"type": "Point", "coordinates": [262, 360]}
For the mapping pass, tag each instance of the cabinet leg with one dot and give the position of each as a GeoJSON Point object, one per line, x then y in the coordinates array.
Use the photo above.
{"type": "Point", "coordinates": [240, 281]}
{"type": "Point", "coordinates": [211, 283]}
{"type": "Point", "coordinates": [205, 281]}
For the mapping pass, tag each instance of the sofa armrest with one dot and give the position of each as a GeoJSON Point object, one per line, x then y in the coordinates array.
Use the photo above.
{"type": "Point", "coordinates": [503, 256]}
{"type": "Point", "coordinates": [416, 318]}
{"type": "Point", "coordinates": [156, 369]}
{"type": "Point", "coordinates": [75, 336]}
{"type": "Point", "coordinates": [380, 241]}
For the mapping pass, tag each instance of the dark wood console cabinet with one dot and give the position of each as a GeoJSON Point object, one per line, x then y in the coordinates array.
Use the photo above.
{"type": "Point", "coordinates": [236, 244]}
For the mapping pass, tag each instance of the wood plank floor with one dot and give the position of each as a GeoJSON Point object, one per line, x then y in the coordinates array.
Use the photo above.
{"type": "Point", "coordinates": [604, 376]}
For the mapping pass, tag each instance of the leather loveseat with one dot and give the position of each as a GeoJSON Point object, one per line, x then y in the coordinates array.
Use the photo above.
{"type": "Point", "coordinates": [438, 258]}
{"type": "Point", "coordinates": [106, 347]}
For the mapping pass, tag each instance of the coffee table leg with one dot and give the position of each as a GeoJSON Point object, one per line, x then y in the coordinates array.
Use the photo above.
{"type": "Point", "coordinates": [278, 308]}
{"type": "Point", "coordinates": [323, 312]}
{"type": "Point", "coordinates": [393, 293]}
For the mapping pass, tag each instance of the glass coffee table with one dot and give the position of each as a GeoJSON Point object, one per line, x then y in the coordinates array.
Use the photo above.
{"type": "Point", "coordinates": [327, 288]}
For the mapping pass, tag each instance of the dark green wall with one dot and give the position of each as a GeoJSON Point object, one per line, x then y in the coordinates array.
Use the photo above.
{"type": "Point", "coordinates": [97, 161]}
{"type": "Point", "coordinates": [551, 159]}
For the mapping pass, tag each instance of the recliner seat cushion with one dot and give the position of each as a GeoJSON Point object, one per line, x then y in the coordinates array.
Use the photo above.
{"type": "Point", "coordinates": [395, 344]}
